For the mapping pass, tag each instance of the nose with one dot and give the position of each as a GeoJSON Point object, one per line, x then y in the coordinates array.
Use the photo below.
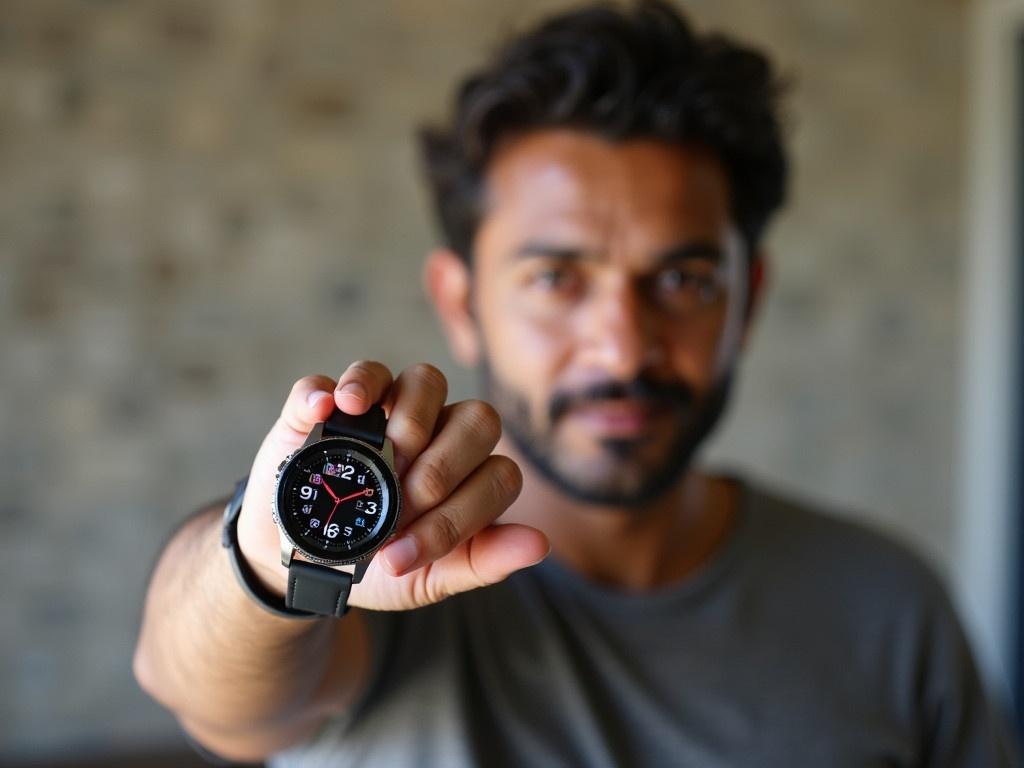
{"type": "Point", "coordinates": [622, 331]}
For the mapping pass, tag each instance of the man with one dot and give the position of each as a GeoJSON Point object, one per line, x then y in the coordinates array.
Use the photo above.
{"type": "Point", "coordinates": [603, 188]}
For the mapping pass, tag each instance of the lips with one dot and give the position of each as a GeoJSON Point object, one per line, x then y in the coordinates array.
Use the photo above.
{"type": "Point", "coordinates": [616, 418]}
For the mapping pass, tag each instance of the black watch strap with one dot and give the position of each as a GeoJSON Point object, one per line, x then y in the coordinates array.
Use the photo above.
{"type": "Point", "coordinates": [266, 599]}
{"type": "Point", "coordinates": [318, 589]}
{"type": "Point", "coordinates": [368, 427]}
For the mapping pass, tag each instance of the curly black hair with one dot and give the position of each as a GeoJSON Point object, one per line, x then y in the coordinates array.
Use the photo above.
{"type": "Point", "coordinates": [641, 72]}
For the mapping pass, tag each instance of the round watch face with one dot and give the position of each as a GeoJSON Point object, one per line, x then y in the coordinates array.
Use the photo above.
{"type": "Point", "coordinates": [337, 500]}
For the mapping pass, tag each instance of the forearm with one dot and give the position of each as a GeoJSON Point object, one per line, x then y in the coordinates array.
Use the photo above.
{"type": "Point", "coordinates": [209, 653]}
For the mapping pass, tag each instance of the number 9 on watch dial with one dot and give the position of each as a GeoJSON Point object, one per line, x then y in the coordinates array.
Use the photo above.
{"type": "Point", "coordinates": [337, 500]}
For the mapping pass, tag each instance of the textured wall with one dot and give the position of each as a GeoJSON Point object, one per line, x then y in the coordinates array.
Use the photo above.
{"type": "Point", "coordinates": [201, 201]}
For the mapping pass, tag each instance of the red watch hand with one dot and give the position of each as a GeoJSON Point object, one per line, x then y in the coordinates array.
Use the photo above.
{"type": "Point", "coordinates": [353, 495]}
{"type": "Point", "coordinates": [333, 509]}
{"type": "Point", "coordinates": [330, 493]}
{"type": "Point", "coordinates": [364, 492]}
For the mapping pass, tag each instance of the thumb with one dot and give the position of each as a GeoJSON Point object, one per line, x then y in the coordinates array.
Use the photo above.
{"type": "Point", "coordinates": [492, 555]}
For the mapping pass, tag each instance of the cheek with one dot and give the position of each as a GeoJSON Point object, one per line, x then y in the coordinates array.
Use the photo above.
{"type": "Point", "coordinates": [529, 348]}
{"type": "Point", "coordinates": [525, 351]}
{"type": "Point", "coordinates": [694, 349]}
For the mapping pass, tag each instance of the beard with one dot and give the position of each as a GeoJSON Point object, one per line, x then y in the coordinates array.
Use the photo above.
{"type": "Point", "coordinates": [624, 472]}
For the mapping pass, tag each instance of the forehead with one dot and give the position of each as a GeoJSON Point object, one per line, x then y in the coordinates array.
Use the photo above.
{"type": "Point", "coordinates": [636, 193]}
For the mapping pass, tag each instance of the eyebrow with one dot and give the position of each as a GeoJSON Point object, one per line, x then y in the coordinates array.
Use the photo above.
{"type": "Point", "coordinates": [698, 249]}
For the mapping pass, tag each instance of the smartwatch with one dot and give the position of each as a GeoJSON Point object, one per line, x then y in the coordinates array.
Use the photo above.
{"type": "Point", "coordinates": [336, 503]}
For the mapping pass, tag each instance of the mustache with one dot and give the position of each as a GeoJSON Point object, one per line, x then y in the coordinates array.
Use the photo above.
{"type": "Point", "coordinates": [674, 394]}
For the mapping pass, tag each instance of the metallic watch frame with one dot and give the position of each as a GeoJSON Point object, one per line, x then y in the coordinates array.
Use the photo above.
{"type": "Point", "coordinates": [356, 566]}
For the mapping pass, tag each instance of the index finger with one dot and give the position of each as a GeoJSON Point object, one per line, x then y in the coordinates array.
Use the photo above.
{"type": "Point", "coordinates": [363, 383]}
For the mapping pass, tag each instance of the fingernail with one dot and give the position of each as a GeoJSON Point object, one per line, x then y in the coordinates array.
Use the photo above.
{"type": "Point", "coordinates": [355, 389]}
{"type": "Point", "coordinates": [316, 397]}
{"type": "Point", "coordinates": [400, 554]}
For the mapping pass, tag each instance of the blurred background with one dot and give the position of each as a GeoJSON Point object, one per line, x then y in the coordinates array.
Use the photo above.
{"type": "Point", "coordinates": [202, 201]}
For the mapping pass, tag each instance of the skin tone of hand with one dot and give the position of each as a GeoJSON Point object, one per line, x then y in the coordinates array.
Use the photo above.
{"type": "Point", "coordinates": [448, 539]}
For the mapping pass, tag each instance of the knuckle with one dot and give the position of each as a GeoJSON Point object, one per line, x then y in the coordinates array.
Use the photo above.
{"type": "Point", "coordinates": [430, 376]}
{"type": "Point", "coordinates": [416, 428]}
{"type": "Point", "coordinates": [506, 477]}
{"type": "Point", "coordinates": [478, 579]}
{"type": "Point", "coordinates": [367, 368]}
{"type": "Point", "coordinates": [307, 383]}
{"type": "Point", "coordinates": [431, 485]}
{"type": "Point", "coordinates": [295, 403]}
{"type": "Point", "coordinates": [428, 589]}
{"type": "Point", "coordinates": [481, 418]}
{"type": "Point", "coordinates": [444, 531]}
{"type": "Point", "coordinates": [424, 592]}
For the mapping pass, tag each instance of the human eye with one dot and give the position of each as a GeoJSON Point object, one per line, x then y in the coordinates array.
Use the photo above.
{"type": "Point", "coordinates": [695, 285]}
{"type": "Point", "coordinates": [554, 278]}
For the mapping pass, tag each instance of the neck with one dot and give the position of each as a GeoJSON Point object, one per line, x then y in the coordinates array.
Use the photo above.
{"type": "Point", "coordinates": [634, 548]}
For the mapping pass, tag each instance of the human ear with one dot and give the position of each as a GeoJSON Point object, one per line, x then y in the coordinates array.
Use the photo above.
{"type": "Point", "coordinates": [758, 277]}
{"type": "Point", "coordinates": [447, 281]}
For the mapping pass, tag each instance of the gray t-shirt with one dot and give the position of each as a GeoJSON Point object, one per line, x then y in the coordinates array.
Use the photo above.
{"type": "Point", "coordinates": [806, 641]}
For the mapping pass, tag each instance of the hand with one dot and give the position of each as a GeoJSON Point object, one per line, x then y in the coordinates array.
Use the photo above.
{"type": "Point", "coordinates": [454, 489]}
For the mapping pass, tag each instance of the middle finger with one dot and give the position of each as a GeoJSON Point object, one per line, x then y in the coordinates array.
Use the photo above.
{"type": "Point", "coordinates": [418, 396]}
{"type": "Point", "coordinates": [466, 434]}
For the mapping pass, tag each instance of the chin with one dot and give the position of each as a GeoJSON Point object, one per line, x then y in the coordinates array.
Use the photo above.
{"type": "Point", "coordinates": [612, 482]}
{"type": "Point", "coordinates": [613, 471]}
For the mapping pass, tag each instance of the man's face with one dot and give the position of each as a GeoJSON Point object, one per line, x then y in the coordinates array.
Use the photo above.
{"type": "Point", "coordinates": [605, 287]}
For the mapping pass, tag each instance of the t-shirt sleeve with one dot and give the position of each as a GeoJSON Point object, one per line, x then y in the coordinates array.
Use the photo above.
{"type": "Point", "coordinates": [963, 726]}
{"type": "Point", "coordinates": [897, 600]}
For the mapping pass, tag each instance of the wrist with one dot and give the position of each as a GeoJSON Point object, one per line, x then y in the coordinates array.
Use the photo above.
{"type": "Point", "coordinates": [274, 580]}
{"type": "Point", "coordinates": [260, 588]}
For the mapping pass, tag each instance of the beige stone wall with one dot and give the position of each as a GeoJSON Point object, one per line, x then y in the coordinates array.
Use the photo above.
{"type": "Point", "coordinates": [201, 201]}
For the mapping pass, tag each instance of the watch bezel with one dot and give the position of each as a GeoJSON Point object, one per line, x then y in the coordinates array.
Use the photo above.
{"type": "Point", "coordinates": [390, 479]}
